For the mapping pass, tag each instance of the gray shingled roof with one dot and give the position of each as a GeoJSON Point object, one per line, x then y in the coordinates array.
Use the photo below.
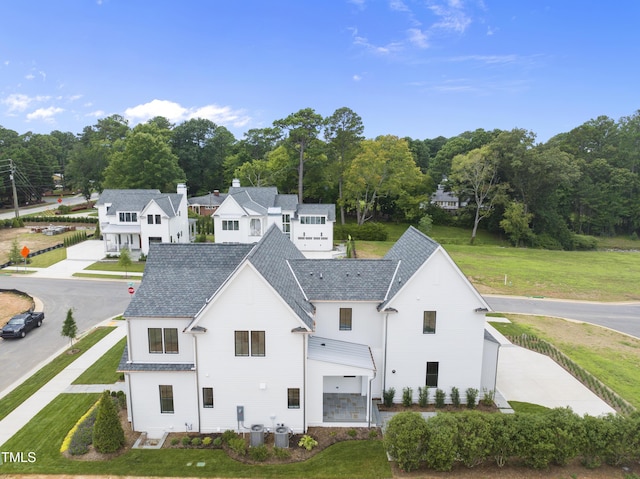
{"type": "Point", "coordinates": [136, 200]}
{"type": "Point", "coordinates": [258, 199]}
{"type": "Point", "coordinates": [411, 250]}
{"type": "Point", "coordinates": [317, 209]}
{"type": "Point", "coordinates": [126, 200]}
{"type": "Point", "coordinates": [344, 279]}
{"type": "Point", "coordinates": [269, 257]}
{"type": "Point", "coordinates": [125, 366]}
{"type": "Point", "coordinates": [287, 202]}
{"type": "Point", "coordinates": [208, 200]}
{"type": "Point", "coordinates": [179, 278]}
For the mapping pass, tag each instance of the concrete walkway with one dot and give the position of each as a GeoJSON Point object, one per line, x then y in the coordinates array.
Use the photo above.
{"type": "Point", "coordinates": [20, 416]}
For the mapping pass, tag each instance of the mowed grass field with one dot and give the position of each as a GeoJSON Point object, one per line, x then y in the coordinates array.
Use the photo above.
{"type": "Point", "coordinates": [609, 274]}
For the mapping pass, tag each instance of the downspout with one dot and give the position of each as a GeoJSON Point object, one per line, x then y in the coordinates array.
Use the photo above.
{"type": "Point", "coordinates": [130, 398]}
{"type": "Point", "coordinates": [384, 360]}
{"type": "Point", "coordinates": [195, 365]}
{"type": "Point", "coordinates": [369, 401]}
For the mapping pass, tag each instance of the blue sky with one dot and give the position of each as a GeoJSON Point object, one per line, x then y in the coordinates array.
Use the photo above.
{"type": "Point", "coordinates": [420, 68]}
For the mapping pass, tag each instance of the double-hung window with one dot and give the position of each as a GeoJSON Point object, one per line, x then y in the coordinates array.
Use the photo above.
{"type": "Point", "coordinates": [207, 397]}
{"type": "Point", "coordinates": [432, 374]}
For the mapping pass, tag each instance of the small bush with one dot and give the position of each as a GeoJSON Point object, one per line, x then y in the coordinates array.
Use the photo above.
{"type": "Point", "coordinates": [281, 453]}
{"type": "Point", "coordinates": [367, 232]}
{"type": "Point", "coordinates": [440, 397]}
{"type": "Point", "coordinates": [196, 441]}
{"type": "Point", "coordinates": [108, 435]}
{"type": "Point", "coordinates": [387, 396]}
{"type": "Point", "coordinates": [175, 441]}
{"type": "Point", "coordinates": [185, 441]}
{"type": "Point", "coordinates": [455, 396]}
{"type": "Point", "coordinates": [228, 435]}
{"type": "Point", "coordinates": [405, 439]}
{"type": "Point", "coordinates": [373, 433]}
{"type": "Point", "coordinates": [206, 441]}
{"type": "Point", "coordinates": [217, 442]}
{"type": "Point", "coordinates": [472, 397]}
{"type": "Point", "coordinates": [352, 433]}
{"type": "Point", "coordinates": [259, 453]}
{"type": "Point", "coordinates": [83, 437]}
{"type": "Point", "coordinates": [407, 397]}
{"type": "Point", "coordinates": [307, 442]}
{"type": "Point", "coordinates": [423, 396]}
{"type": "Point", "coordinates": [238, 445]}
{"type": "Point", "coordinates": [488, 397]}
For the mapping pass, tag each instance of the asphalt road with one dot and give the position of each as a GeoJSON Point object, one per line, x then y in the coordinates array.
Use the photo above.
{"type": "Point", "coordinates": [92, 301]}
{"type": "Point", "coordinates": [622, 317]}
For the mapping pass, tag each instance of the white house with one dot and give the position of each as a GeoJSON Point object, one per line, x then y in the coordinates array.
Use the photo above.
{"type": "Point", "coordinates": [246, 214]}
{"type": "Point", "coordinates": [226, 336]}
{"type": "Point", "coordinates": [133, 219]}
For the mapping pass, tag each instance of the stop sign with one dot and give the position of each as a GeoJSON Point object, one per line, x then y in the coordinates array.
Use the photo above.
{"type": "Point", "coordinates": [59, 200]}
{"type": "Point", "coordinates": [131, 290]}
{"type": "Point", "coordinates": [24, 252]}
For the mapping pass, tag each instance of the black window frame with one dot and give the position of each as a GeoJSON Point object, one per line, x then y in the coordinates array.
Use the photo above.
{"type": "Point", "coordinates": [429, 322]}
{"type": "Point", "coordinates": [258, 344]}
{"type": "Point", "coordinates": [346, 319]}
{"type": "Point", "coordinates": [166, 399]}
{"type": "Point", "coordinates": [156, 340]}
{"type": "Point", "coordinates": [207, 398]}
{"type": "Point", "coordinates": [431, 378]}
{"type": "Point", "coordinates": [293, 398]}
{"type": "Point", "coordinates": [171, 339]}
{"type": "Point", "coordinates": [241, 343]}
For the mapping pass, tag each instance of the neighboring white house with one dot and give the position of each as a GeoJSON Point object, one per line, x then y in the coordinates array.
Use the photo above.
{"type": "Point", "coordinates": [446, 200]}
{"type": "Point", "coordinates": [247, 213]}
{"type": "Point", "coordinates": [227, 336]}
{"type": "Point", "coordinates": [133, 219]}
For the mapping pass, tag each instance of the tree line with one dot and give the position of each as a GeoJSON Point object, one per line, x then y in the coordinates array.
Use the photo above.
{"type": "Point", "coordinates": [583, 182]}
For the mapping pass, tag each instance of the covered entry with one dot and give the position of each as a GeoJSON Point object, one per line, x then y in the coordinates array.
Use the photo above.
{"type": "Point", "coordinates": [340, 375]}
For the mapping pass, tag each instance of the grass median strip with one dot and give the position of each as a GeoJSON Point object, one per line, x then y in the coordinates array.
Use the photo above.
{"type": "Point", "coordinates": [16, 397]}
{"type": "Point", "coordinates": [103, 371]}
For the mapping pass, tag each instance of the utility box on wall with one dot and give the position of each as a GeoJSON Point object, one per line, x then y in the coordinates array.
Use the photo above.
{"type": "Point", "coordinates": [240, 413]}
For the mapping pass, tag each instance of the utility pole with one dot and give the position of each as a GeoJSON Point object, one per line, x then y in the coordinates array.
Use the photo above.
{"type": "Point", "coordinates": [12, 170]}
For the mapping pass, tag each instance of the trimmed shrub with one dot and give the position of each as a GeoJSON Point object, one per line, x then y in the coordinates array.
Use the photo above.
{"type": "Point", "coordinates": [504, 438]}
{"type": "Point", "coordinates": [108, 435]}
{"type": "Point", "coordinates": [441, 451]}
{"type": "Point", "coordinates": [281, 453]}
{"type": "Point", "coordinates": [565, 428]}
{"type": "Point", "coordinates": [217, 442]}
{"type": "Point", "coordinates": [228, 435]}
{"type": "Point", "coordinates": [472, 397]}
{"type": "Point", "coordinates": [369, 231]}
{"type": "Point", "coordinates": [206, 441]}
{"type": "Point", "coordinates": [405, 439]}
{"type": "Point", "coordinates": [387, 396]}
{"type": "Point", "coordinates": [440, 398]}
{"type": "Point", "coordinates": [83, 437]}
{"type": "Point", "coordinates": [175, 441]}
{"type": "Point", "coordinates": [196, 441]}
{"type": "Point", "coordinates": [423, 396]}
{"type": "Point", "coordinates": [473, 438]}
{"type": "Point", "coordinates": [185, 441]}
{"type": "Point", "coordinates": [455, 396]}
{"type": "Point", "coordinates": [407, 397]}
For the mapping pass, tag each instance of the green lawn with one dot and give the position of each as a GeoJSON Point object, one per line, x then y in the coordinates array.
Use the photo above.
{"type": "Point", "coordinates": [135, 267]}
{"type": "Point", "coordinates": [49, 258]}
{"type": "Point", "coordinates": [349, 459]}
{"type": "Point", "coordinates": [103, 371]}
{"type": "Point", "coordinates": [16, 397]}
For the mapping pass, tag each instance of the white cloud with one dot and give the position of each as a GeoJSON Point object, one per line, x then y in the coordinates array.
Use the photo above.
{"type": "Point", "coordinates": [17, 102]}
{"type": "Point", "coordinates": [487, 59]}
{"type": "Point", "coordinates": [176, 113]}
{"type": "Point", "coordinates": [398, 6]}
{"type": "Point", "coordinates": [379, 50]}
{"type": "Point", "coordinates": [356, 77]}
{"type": "Point", "coordinates": [418, 38]}
{"type": "Point", "coordinates": [96, 113]}
{"type": "Point", "coordinates": [45, 114]}
{"type": "Point", "coordinates": [30, 76]}
{"type": "Point", "coordinates": [452, 16]}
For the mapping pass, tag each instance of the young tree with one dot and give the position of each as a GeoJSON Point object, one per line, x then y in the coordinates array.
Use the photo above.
{"type": "Point", "coordinates": [14, 254]}
{"type": "Point", "coordinates": [69, 327]}
{"type": "Point", "coordinates": [515, 223]}
{"type": "Point", "coordinates": [125, 261]}
{"type": "Point", "coordinates": [108, 435]}
{"type": "Point", "coordinates": [475, 175]}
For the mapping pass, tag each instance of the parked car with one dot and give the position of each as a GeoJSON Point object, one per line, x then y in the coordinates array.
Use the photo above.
{"type": "Point", "coordinates": [21, 324]}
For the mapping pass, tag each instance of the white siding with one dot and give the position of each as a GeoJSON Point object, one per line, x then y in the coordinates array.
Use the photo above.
{"type": "Point", "coordinates": [457, 344]}
{"type": "Point", "coordinates": [145, 399]}
{"type": "Point", "coordinates": [259, 384]}
{"type": "Point", "coordinates": [139, 342]}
